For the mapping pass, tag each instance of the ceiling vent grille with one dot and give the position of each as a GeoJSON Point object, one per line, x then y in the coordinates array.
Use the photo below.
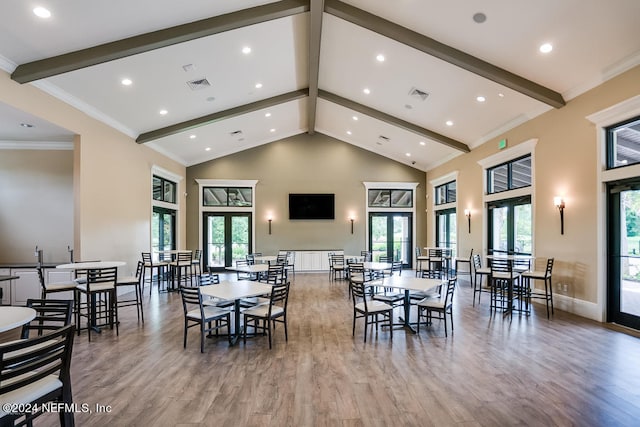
{"type": "Point", "coordinates": [382, 139]}
{"type": "Point", "coordinates": [236, 133]}
{"type": "Point", "coordinates": [417, 93]}
{"type": "Point", "coordinates": [199, 84]}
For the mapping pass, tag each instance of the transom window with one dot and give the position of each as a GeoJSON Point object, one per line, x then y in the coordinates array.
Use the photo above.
{"type": "Point", "coordinates": [227, 196]}
{"type": "Point", "coordinates": [388, 198]}
{"type": "Point", "coordinates": [510, 175]}
{"type": "Point", "coordinates": [164, 190]}
{"type": "Point", "coordinates": [446, 193]}
{"type": "Point", "coordinates": [623, 144]}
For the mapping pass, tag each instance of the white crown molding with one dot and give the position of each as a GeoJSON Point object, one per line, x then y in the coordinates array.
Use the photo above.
{"type": "Point", "coordinates": [616, 113]}
{"type": "Point", "coordinates": [451, 176]}
{"type": "Point", "coordinates": [514, 152]}
{"type": "Point", "coordinates": [160, 171]}
{"type": "Point", "coordinates": [36, 145]}
{"type": "Point", "coordinates": [7, 65]}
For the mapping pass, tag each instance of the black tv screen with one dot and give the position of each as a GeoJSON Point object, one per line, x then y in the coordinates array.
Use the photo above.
{"type": "Point", "coordinates": [311, 206]}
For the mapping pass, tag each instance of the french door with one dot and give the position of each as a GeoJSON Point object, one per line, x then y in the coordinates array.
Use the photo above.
{"type": "Point", "coordinates": [510, 226]}
{"type": "Point", "coordinates": [390, 234]}
{"type": "Point", "coordinates": [163, 229]}
{"type": "Point", "coordinates": [623, 282]}
{"type": "Point", "coordinates": [227, 238]}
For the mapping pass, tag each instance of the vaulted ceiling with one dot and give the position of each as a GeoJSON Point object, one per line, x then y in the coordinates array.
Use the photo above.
{"type": "Point", "coordinates": [403, 79]}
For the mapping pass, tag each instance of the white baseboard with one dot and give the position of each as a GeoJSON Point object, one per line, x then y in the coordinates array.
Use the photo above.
{"type": "Point", "coordinates": [579, 307]}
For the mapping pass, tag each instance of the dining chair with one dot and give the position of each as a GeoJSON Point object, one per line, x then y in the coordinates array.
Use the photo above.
{"type": "Point", "coordinates": [337, 266]}
{"type": "Point", "coordinates": [275, 275]}
{"type": "Point", "coordinates": [208, 318]}
{"type": "Point", "coordinates": [51, 315]}
{"type": "Point", "coordinates": [416, 296]}
{"type": "Point", "coordinates": [274, 312]}
{"type": "Point", "coordinates": [545, 276]}
{"type": "Point", "coordinates": [479, 272]}
{"type": "Point", "coordinates": [36, 371]}
{"type": "Point", "coordinates": [128, 282]}
{"type": "Point", "coordinates": [420, 259]}
{"type": "Point", "coordinates": [159, 267]}
{"type": "Point", "coordinates": [366, 256]}
{"type": "Point", "coordinates": [100, 307]}
{"type": "Point", "coordinates": [196, 261]}
{"type": "Point", "coordinates": [436, 260]}
{"type": "Point", "coordinates": [56, 287]}
{"type": "Point", "coordinates": [458, 261]}
{"type": "Point", "coordinates": [441, 306]}
{"type": "Point", "coordinates": [369, 309]}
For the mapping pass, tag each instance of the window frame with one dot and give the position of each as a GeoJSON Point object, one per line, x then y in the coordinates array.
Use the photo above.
{"type": "Point", "coordinates": [509, 165]}
{"type": "Point", "coordinates": [163, 182]}
{"type": "Point", "coordinates": [610, 150]}
{"type": "Point", "coordinates": [447, 192]}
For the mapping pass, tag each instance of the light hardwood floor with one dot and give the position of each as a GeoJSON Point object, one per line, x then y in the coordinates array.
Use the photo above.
{"type": "Point", "coordinates": [489, 372]}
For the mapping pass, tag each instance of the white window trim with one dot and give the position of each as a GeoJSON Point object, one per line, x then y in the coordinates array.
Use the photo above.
{"type": "Point", "coordinates": [227, 183]}
{"type": "Point", "coordinates": [602, 119]}
{"type": "Point", "coordinates": [436, 182]}
{"type": "Point", "coordinates": [525, 148]}
{"type": "Point", "coordinates": [370, 185]}
{"type": "Point", "coordinates": [178, 179]}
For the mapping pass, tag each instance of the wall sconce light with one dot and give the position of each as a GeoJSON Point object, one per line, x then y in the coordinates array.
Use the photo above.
{"type": "Point", "coordinates": [269, 219]}
{"type": "Point", "coordinates": [352, 219]}
{"type": "Point", "coordinates": [559, 203]}
{"type": "Point", "coordinates": [467, 213]}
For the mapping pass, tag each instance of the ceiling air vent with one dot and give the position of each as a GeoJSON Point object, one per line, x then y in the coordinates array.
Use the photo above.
{"type": "Point", "coordinates": [417, 93]}
{"type": "Point", "coordinates": [237, 134]}
{"type": "Point", "coordinates": [382, 139]}
{"type": "Point", "coordinates": [199, 84]}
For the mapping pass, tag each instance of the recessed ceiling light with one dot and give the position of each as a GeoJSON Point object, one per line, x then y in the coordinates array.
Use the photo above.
{"type": "Point", "coordinates": [380, 58]}
{"type": "Point", "coordinates": [408, 154]}
{"type": "Point", "coordinates": [192, 137]}
{"type": "Point", "coordinates": [479, 17]}
{"type": "Point", "coordinates": [26, 125]}
{"type": "Point", "coordinates": [481, 98]}
{"type": "Point", "coordinates": [501, 95]}
{"type": "Point", "coordinates": [267, 114]}
{"type": "Point", "coordinates": [163, 112]}
{"type": "Point", "coordinates": [258, 85]}
{"type": "Point", "coordinates": [41, 12]}
{"type": "Point", "coordinates": [355, 118]}
{"type": "Point", "coordinates": [272, 130]}
{"type": "Point", "coordinates": [423, 143]}
{"type": "Point", "coordinates": [546, 48]}
{"type": "Point", "coordinates": [207, 149]}
{"type": "Point", "coordinates": [126, 82]}
{"type": "Point", "coordinates": [366, 90]}
{"type": "Point", "coordinates": [348, 132]}
{"type": "Point", "coordinates": [246, 50]}
{"type": "Point", "coordinates": [449, 123]}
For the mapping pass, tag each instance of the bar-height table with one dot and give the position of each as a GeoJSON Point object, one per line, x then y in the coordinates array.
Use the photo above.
{"type": "Point", "coordinates": [91, 265]}
{"type": "Point", "coordinates": [235, 291]}
{"type": "Point", "coordinates": [12, 317]}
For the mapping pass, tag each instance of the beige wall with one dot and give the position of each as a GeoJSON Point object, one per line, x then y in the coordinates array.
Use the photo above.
{"type": "Point", "coordinates": [112, 179]}
{"type": "Point", "coordinates": [565, 164]}
{"type": "Point", "coordinates": [36, 204]}
{"type": "Point", "coordinates": [306, 164]}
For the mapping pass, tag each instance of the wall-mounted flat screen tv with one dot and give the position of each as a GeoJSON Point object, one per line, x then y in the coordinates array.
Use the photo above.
{"type": "Point", "coordinates": [311, 206]}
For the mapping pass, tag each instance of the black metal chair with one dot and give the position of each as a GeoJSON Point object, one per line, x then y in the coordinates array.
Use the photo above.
{"type": "Point", "coordinates": [274, 311]}
{"type": "Point", "coordinates": [369, 309]}
{"type": "Point", "coordinates": [51, 315]}
{"type": "Point", "coordinates": [207, 317]}
{"type": "Point", "coordinates": [545, 276]}
{"type": "Point", "coordinates": [134, 282]}
{"type": "Point", "coordinates": [441, 306]}
{"type": "Point", "coordinates": [100, 306]}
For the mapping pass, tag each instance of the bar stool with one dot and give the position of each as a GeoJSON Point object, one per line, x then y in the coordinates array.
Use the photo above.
{"type": "Point", "coordinates": [160, 268]}
{"type": "Point", "coordinates": [545, 275]}
{"type": "Point", "coordinates": [182, 268]}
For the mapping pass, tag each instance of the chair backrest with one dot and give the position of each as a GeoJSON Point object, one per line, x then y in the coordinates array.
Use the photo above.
{"type": "Point", "coordinates": [502, 265]}
{"type": "Point", "coordinates": [102, 276]}
{"type": "Point", "coordinates": [418, 251]}
{"type": "Point", "coordinates": [184, 258]}
{"type": "Point", "coordinates": [549, 267]}
{"type": "Point", "coordinates": [209, 279]}
{"type": "Point", "coordinates": [396, 266]}
{"type": "Point", "coordinates": [191, 296]}
{"type": "Point", "coordinates": [275, 274]}
{"type": "Point", "coordinates": [435, 253]}
{"type": "Point", "coordinates": [356, 272]}
{"type": "Point", "coordinates": [471, 255]}
{"type": "Point", "coordinates": [147, 258]}
{"type": "Point", "coordinates": [279, 296]}
{"type": "Point", "coordinates": [51, 315]}
{"type": "Point", "coordinates": [477, 262]}
{"type": "Point", "coordinates": [451, 287]}
{"type": "Point", "coordinates": [250, 259]}
{"type": "Point", "coordinates": [43, 287]}
{"type": "Point", "coordinates": [337, 260]}
{"type": "Point", "coordinates": [282, 259]}
{"type": "Point", "coordinates": [197, 255]}
{"type": "Point", "coordinates": [24, 362]}
{"type": "Point", "coordinates": [431, 274]}
{"type": "Point", "coordinates": [385, 258]}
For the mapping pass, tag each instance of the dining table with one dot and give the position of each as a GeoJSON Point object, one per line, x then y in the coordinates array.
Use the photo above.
{"type": "Point", "coordinates": [520, 263]}
{"type": "Point", "coordinates": [408, 284]}
{"type": "Point", "coordinates": [235, 291]}
{"type": "Point", "coordinates": [11, 317]}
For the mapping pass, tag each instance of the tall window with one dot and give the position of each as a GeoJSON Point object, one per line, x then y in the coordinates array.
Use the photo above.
{"type": "Point", "coordinates": [164, 200]}
{"type": "Point", "coordinates": [446, 229]}
{"type": "Point", "coordinates": [508, 199]}
{"type": "Point", "coordinates": [444, 198]}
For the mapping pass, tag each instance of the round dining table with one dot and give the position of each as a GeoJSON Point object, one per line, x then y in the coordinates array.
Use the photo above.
{"type": "Point", "coordinates": [11, 317]}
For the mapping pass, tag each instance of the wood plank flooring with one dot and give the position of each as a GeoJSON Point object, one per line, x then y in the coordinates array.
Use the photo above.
{"type": "Point", "coordinates": [490, 371]}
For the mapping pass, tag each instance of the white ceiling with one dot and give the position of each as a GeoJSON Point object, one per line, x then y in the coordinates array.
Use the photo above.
{"type": "Point", "coordinates": [593, 40]}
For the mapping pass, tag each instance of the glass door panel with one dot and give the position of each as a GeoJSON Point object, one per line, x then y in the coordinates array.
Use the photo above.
{"type": "Point", "coordinates": [390, 235]}
{"type": "Point", "coordinates": [624, 255]}
{"type": "Point", "coordinates": [499, 241]}
{"type": "Point", "coordinates": [227, 238]}
{"type": "Point", "coordinates": [447, 236]}
{"type": "Point", "coordinates": [163, 225]}
{"type": "Point", "coordinates": [522, 229]}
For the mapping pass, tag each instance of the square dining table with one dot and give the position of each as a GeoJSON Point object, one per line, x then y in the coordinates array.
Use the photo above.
{"type": "Point", "coordinates": [236, 291]}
